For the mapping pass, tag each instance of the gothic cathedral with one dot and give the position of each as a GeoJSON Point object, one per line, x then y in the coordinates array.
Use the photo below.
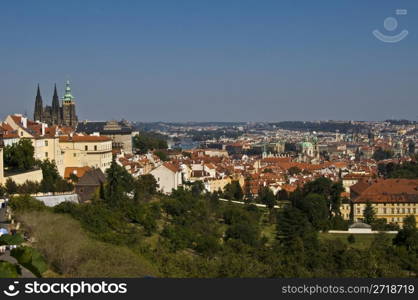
{"type": "Point", "coordinates": [56, 114]}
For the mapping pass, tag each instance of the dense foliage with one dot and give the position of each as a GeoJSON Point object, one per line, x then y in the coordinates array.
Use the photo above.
{"type": "Point", "coordinates": [407, 170]}
{"type": "Point", "coordinates": [381, 154]}
{"type": "Point", "coordinates": [146, 141]}
{"type": "Point", "coordinates": [31, 259]}
{"type": "Point", "coordinates": [19, 156]}
{"type": "Point", "coordinates": [8, 239]}
{"type": "Point", "coordinates": [193, 234]}
{"type": "Point", "coordinates": [9, 270]}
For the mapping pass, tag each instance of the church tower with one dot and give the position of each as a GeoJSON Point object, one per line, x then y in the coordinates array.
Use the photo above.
{"type": "Point", "coordinates": [69, 117]}
{"type": "Point", "coordinates": [56, 110]}
{"type": "Point", "coordinates": [38, 112]}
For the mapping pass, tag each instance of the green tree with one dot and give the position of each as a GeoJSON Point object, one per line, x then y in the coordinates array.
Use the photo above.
{"type": "Point", "coordinates": [25, 203]}
{"type": "Point", "coordinates": [145, 186]}
{"type": "Point", "coordinates": [119, 183]}
{"type": "Point", "coordinates": [292, 223]}
{"type": "Point", "coordinates": [146, 141]}
{"type": "Point", "coordinates": [369, 213]}
{"type": "Point", "coordinates": [29, 187]}
{"type": "Point", "coordinates": [31, 259]}
{"type": "Point", "coordinates": [351, 239]}
{"type": "Point", "coordinates": [50, 176]}
{"type": "Point", "coordinates": [7, 239]}
{"type": "Point", "coordinates": [9, 270]}
{"type": "Point", "coordinates": [266, 196]}
{"type": "Point", "coordinates": [408, 236]}
{"type": "Point", "coordinates": [197, 188]}
{"type": "Point", "coordinates": [233, 191]}
{"type": "Point", "coordinates": [315, 208]}
{"type": "Point", "coordinates": [11, 186]}
{"type": "Point", "coordinates": [381, 154]}
{"type": "Point", "coordinates": [248, 233]}
{"type": "Point", "coordinates": [20, 156]}
{"type": "Point", "coordinates": [2, 191]}
{"type": "Point", "coordinates": [330, 190]}
{"type": "Point", "coordinates": [162, 155]}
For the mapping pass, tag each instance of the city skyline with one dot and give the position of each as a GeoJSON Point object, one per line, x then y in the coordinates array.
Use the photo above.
{"type": "Point", "coordinates": [235, 61]}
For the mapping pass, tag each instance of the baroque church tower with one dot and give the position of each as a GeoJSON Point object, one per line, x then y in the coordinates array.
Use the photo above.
{"type": "Point", "coordinates": [59, 113]}
{"type": "Point", "coordinates": [69, 117]}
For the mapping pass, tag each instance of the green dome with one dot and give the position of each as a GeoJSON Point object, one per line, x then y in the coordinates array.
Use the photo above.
{"type": "Point", "coordinates": [306, 145]}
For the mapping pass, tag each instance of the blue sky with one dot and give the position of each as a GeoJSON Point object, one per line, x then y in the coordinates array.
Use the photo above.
{"type": "Point", "coordinates": [211, 60]}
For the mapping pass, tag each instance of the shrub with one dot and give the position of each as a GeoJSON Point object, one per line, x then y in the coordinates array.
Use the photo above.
{"type": "Point", "coordinates": [8, 239]}
{"type": "Point", "coordinates": [9, 270]}
{"type": "Point", "coordinates": [31, 259]}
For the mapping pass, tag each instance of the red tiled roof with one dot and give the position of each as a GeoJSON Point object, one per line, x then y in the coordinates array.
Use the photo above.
{"type": "Point", "coordinates": [171, 167]}
{"type": "Point", "coordinates": [78, 171]}
{"type": "Point", "coordinates": [388, 191]}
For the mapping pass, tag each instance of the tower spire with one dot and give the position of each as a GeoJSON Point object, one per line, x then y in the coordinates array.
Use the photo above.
{"type": "Point", "coordinates": [38, 112]}
{"type": "Point", "coordinates": [38, 93]}
{"type": "Point", "coordinates": [55, 91]}
{"type": "Point", "coordinates": [56, 110]}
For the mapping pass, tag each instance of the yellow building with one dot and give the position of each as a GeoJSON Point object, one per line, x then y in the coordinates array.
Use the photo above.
{"type": "Point", "coordinates": [392, 199]}
{"type": "Point", "coordinates": [216, 184]}
{"type": "Point", "coordinates": [86, 151]}
{"type": "Point", "coordinates": [45, 140]}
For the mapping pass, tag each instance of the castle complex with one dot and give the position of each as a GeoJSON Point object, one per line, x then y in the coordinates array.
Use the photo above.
{"type": "Point", "coordinates": [59, 113]}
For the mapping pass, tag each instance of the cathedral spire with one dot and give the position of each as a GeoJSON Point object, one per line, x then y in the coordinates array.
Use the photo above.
{"type": "Point", "coordinates": [55, 92]}
{"type": "Point", "coordinates": [38, 94]}
{"type": "Point", "coordinates": [38, 112]}
{"type": "Point", "coordinates": [56, 111]}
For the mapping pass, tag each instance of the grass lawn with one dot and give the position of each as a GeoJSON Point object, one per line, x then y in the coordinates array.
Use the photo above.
{"type": "Point", "coordinates": [362, 241]}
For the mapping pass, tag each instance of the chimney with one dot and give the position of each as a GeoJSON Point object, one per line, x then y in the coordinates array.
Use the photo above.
{"type": "Point", "coordinates": [43, 129]}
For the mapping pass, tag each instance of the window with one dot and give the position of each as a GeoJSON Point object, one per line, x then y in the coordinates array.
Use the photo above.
{"type": "Point", "coordinates": [86, 147]}
{"type": "Point", "coordinates": [74, 154]}
{"type": "Point", "coordinates": [95, 147]}
{"type": "Point", "coordinates": [46, 154]}
{"type": "Point", "coordinates": [46, 143]}
{"type": "Point", "coordinates": [384, 210]}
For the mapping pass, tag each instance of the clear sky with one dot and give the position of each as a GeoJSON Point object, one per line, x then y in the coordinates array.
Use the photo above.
{"type": "Point", "coordinates": [211, 60]}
